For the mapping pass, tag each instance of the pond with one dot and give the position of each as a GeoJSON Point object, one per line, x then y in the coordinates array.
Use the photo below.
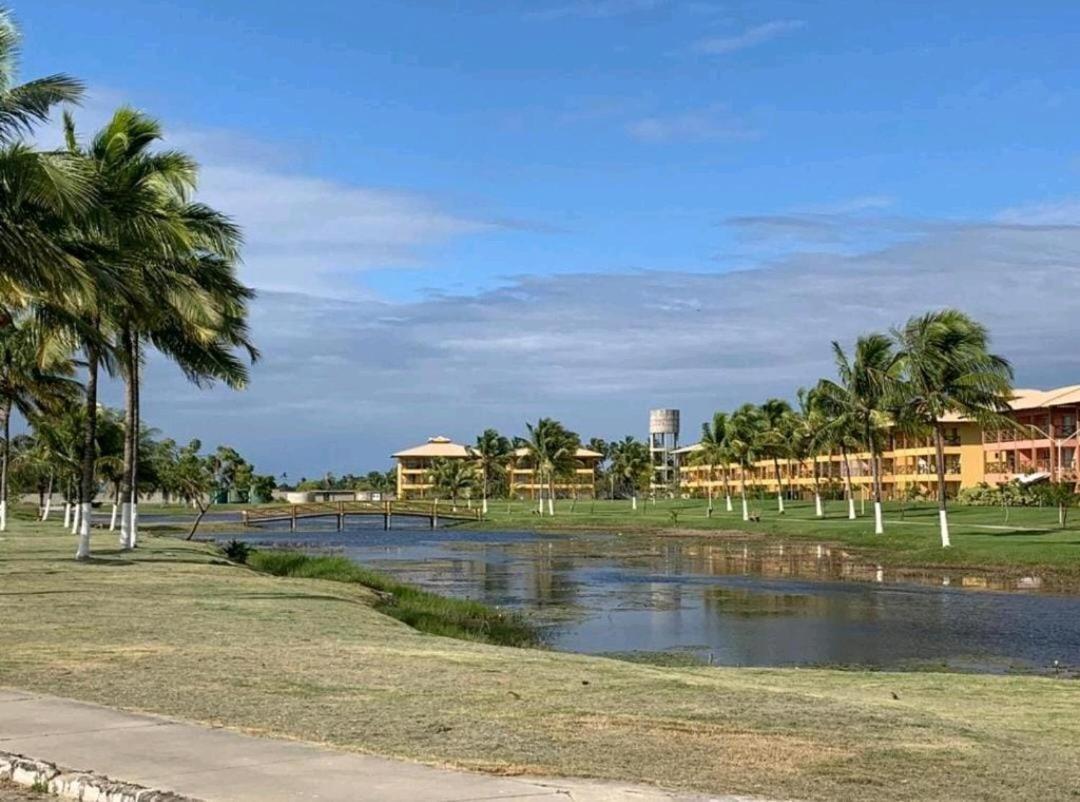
{"type": "Point", "coordinates": [727, 602]}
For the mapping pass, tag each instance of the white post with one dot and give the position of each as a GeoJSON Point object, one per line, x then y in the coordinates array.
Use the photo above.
{"type": "Point", "coordinates": [125, 525]}
{"type": "Point", "coordinates": [879, 526]}
{"type": "Point", "coordinates": [67, 514]}
{"type": "Point", "coordinates": [817, 506]}
{"type": "Point", "coordinates": [944, 518]}
{"type": "Point", "coordinates": [112, 519]}
{"type": "Point", "coordinates": [48, 507]}
{"type": "Point", "coordinates": [851, 508]}
{"type": "Point", "coordinates": [83, 517]}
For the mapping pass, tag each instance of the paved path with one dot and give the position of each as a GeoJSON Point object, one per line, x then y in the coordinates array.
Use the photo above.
{"type": "Point", "coordinates": [221, 766]}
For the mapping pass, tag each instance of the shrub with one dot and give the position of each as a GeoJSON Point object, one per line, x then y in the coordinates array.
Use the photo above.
{"type": "Point", "coordinates": [237, 550]}
{"type": "Point", "coordinates": [427, 612]}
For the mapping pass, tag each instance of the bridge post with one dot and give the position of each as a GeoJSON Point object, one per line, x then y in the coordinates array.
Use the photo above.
{"type": "Point", "coordinates": [292, 519]}
{"type": "Point", "coordinates": [386, 520]}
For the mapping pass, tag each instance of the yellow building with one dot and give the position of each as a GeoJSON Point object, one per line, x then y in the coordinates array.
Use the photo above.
{"type": "Point", "coordinates": [908, 464]}
{"type": "Point", "coordinates": [523, 480]}
{"type": "Point", "coordinates": [1042, 443]}
{"type": "Point", "coordinates": [414, 466]}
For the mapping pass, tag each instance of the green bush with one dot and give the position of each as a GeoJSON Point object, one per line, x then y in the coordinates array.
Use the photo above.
{"type": "Point", "coordinates": [1010, 494]}
{"type": "Point", "coordinates": [237, 550]}
{"type": "Point", "coordinates": [427, 612]}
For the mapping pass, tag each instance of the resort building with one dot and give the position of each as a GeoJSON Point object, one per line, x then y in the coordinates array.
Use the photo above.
{"type": "Point", "coordinates": [414, 467]}
{"type": "Point", "coordinates": [524, 482]}
{"type": "Point", "coordinates": [1042, 444]}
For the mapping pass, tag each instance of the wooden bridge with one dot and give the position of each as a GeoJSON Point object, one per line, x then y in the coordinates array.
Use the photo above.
{"type": "Point", "coordinates": [432, 511]}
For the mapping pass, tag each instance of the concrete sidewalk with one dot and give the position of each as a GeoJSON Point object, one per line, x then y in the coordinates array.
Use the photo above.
{"type": "Point", "coordinates": [221, 766]}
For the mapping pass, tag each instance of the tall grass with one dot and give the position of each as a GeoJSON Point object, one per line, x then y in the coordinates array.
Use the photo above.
{"type": "Point", "coordinates": [420, 609]}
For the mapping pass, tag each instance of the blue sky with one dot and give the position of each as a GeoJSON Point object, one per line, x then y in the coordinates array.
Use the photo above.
{"type": "Point", "coordinates": [385, 155]}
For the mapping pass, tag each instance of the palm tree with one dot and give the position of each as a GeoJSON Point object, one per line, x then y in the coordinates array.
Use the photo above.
{"type": "Point", "coordinates": [714, 452]}
{"type": "Point", "coordinates": [809, 436]}
{"type": "Point", "coordinates": [776, 440]}
{"type": "Point", "coordinates": [947, 369]}
{"type": "Point", "coordinates": [840, 435]}
{"type": "Point", "coordinates": [39, 191]}
{"type": "Point", "coordinates": [172, 266]}
{"type": "Point", "coordinates": [34, 377]}
{"type": "Point", "coordinates": [866, 384]}
{"type": "Point", "coordinates": [492, 451]}
{"type": "Point", "coordinates": [631, 466]}
{"type": "Point", "coordinates": [454, 477]}
{"type": "Point", "coordinates": [552, 449]}
{"type": "Point", "coordinates": [745, 437]}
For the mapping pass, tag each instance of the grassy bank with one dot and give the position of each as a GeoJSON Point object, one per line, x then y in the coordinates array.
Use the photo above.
{"type": "Point", "coordinates": [982, 537]}
{"type": "Point", "coordinates": [427, 612]}
{"type": "Point", "coordinates": [176, 630]}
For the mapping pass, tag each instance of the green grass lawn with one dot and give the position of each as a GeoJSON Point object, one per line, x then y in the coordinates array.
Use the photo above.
{"type": "Point", "coordinates": [174, 629]}
{"type": "Point", "coordinates": [981, 536]}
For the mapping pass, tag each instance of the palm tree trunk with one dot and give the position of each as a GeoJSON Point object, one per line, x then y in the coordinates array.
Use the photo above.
{"type": "Point", "coordinates": [5, 456]}
{"type": "Point", "coordinates": [727, 490]}
{"type": "Point", "coordinates": [48, 499]}
{"type": "Point", "coordinates": [89, 455]}
{"type": "Point", "coordinates": [115, 506]}
{"type": "Point", "coordinates": [943, 510]}
{"type": "Point", "coordinates": [709, 483]}
{"type": "Point", "coordinates": [875, 466]}
{"type": "Point", "coordinates": [136, 396]}
{"type": "Point", "coordinates": [745, 508]}
{"type": "Point", "coordinates": [819, 511]}
{"type": "Point", "coordinates": [129, 445]}
{"type": "Point", "coordinates": [779, 486]}
{"type": "Point", "coordinates": [847, 483]}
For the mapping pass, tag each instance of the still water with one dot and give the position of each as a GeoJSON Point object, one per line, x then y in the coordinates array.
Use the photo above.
{"type": "Point", "coordinates": [727, 602]}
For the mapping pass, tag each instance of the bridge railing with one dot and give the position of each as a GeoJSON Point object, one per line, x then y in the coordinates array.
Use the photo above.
{"type": "Point", "coordinates": [427, 509]}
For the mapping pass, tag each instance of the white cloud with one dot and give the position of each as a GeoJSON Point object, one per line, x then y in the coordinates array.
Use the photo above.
{"type": "Point", "coordinates": [345, 383]}
{"type": "Point", "coordinates": [708, 124]}
{"type": "Point", "coordinates": [303, 233]}
{"type": "Point", "coordinates": [751, 37]}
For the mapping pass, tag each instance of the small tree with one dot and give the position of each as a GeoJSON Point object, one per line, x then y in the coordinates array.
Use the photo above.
{"type": "Point", "coordinates": [191, 477]}
{"type": "Point", "coordinates": [1062, 495]}
{"type": "Point", "coordinates": [453, 477]}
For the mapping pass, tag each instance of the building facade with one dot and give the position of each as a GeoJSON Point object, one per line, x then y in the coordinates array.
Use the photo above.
{"type": "Point", "coordinates": [414, 467]}
{"type": "Point", "coordinates": [1042, 443]}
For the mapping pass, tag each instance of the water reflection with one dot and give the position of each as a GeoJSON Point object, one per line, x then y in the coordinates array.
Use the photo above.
{"type": "Point", "coordinates": [733, 603]}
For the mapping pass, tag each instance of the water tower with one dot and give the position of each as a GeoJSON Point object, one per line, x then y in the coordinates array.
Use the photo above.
{"type": "Point", "coordinates": [663, 441]}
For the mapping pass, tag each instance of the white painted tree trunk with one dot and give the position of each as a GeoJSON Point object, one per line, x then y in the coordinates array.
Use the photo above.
{"type": "Point", "coordinates": [540, 502]}
{"type": "Point", "coordinates": [112, 519]}
{"type": "Point", "coordinates": [75, 510]}
{"type": "Point", "coordinates": [3, 515]}
{"type": "Point", "coordinates": [879, 525]}
{"type": "Point", "coordinates": [851, 508]}
{"type": "Point", "coordinates": [48, 507]}
{"type": "Point", "coordinates": [780, 503]}
{"type": "Point", "coordinates": [818, 511]}
{"type": "Point", "coordinates": [134, 535]}
{"type": "Point", "coordinates": [67, 514]}
{"type": "Point", "coordinates": [483, 507]}
{"type": "Point", "coordinates": [727, 498]}
{"type": "Point", "coordinates": [83, 517]}
{"type": "Point", "coordinates": [943, 516]}
{"type": "Point", "coordinates": [551, 506]}
{"type": "Point", "coordinates": [125, 525]}
{"type": "Point", "coordinates": [745, 510]}
{"type": "Point", "coordinates": [633, 502]}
